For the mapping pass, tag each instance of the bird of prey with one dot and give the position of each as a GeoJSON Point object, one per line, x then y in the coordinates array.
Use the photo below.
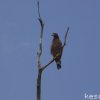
{"type": "Point", "coordinates": [56, 49]}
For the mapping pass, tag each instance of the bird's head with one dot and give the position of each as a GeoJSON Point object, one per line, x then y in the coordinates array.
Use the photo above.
{"type": "Point", "coordinates": [55, 35]}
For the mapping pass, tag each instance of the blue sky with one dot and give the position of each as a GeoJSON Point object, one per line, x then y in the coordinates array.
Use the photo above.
{"type": "Point", "coordinates": [19, 43]}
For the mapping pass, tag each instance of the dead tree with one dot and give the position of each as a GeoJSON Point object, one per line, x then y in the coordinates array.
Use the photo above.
{"type": "Point", "coordinates": [40, 67]}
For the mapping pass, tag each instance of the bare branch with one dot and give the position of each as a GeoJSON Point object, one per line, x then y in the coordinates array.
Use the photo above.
{"type": "Point", "coordinates": [65, 37]}
{"type": "Point", "coordinates": [41, 35]}
{"type": "Point", "coordinates": [40, 19]}
{"type": "Point", "coordinates": [51, 61]}
{"type": "Point", "coordinates": [38, 4]}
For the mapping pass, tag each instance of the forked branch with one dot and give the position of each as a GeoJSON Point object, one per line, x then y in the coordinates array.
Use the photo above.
{"type": "Point", "coordinates": [40, 68]}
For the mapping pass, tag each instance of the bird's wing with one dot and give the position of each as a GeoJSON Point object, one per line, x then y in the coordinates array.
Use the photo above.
{"type": "Point", "coordinates": [56, 47]}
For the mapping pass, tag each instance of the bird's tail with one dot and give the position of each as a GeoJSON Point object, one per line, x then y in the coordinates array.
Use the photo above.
{"type": "Point", "coordinates": [58, 64]}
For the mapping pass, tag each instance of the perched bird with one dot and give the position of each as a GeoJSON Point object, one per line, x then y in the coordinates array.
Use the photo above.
{"type": "Point", "coordinates": [56, 49]}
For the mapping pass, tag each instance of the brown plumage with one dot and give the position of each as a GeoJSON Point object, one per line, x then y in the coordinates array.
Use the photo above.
{"type": "Point", "coordinates": [56, 48]}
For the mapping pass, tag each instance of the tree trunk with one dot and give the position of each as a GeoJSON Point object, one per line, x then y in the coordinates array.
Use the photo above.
{"type": "Point", "coordinates": [39, 85]}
